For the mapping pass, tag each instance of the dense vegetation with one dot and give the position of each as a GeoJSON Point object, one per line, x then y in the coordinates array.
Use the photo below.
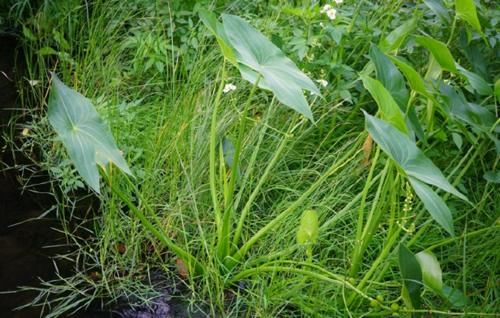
{"type": "Point", "coordinates": [279, 158]}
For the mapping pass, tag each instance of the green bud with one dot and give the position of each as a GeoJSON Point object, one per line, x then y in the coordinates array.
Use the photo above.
{"type": "Point", "coordinates": [394, 307]}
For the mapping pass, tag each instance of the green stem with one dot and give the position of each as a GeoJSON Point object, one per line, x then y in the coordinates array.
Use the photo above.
{"type": "Point", "coordinates": [255, 152]}
{"type": "Point", "coordinates": [324, 276]}
{"type": "Point", "coordinates": [213, 144]}
{"type": "Point", "coordinates": [494, 227]}
{"type": "Point", "coordinates": [189, 259]}
{"type": "Point", "coordinates": [256, 190]}
{"type": "Point", "coordinates": [347, 158]}
{"type": "Point", "coordinates": [223, 243]}
{"type": "Point", "coordinates": [362, 237]}
{"type": "Point", "coordinates": [452, 32]}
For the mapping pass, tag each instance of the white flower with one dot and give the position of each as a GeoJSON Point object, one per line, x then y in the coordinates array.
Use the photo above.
{"type": "Point", "coordinates": [326, 8]}
{"type": "Point", "coordinates": [229, 88]}
{"type": "Point", "coordinates": [332, 14]}
{"type": "Point", "coordinates": [322, 82]}
{"type": "Point", "coordinates": [33, 82]}
{"type": "Point", "coordinates": [338, 1]}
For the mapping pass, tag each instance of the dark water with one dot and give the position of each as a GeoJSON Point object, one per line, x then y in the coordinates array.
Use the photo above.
{"type": "Point", "coordinates": [24, 256]}
{"type": "Point", "coordinates": [21, 256]}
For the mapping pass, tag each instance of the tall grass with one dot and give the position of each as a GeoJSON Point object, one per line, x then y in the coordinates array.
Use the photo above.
{"type": "Point", "coordinates": [153, 72]}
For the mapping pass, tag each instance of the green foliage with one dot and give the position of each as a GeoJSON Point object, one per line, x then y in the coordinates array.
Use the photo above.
{"type": "Point", "coordinates": [412, 277]}
{"type": "Point", "coordinates": [389, 76]}
{"type": "Point", "coordinates": [432, 276]}
{"type": "Point", "coordinates": [87, 139]}
{"type": "Point", "coordinates": [411, 159]}
{"type": "Point", "coordinates": [210, 21]}
{"type": "Point", "coordinates": [439, 51]}
{"type": "Point", "coordinates": [417, 167]}
{"type": "Point", "coordinates": [414, 79]}
{"type": "Point", "coordinates": [466, 10]}
{"type": "Point", "coordinates": [260, 61]}
{"type": "Point", "coordinates": [439, 8]}
{"type": "Point", "coordinates": [222, 179]}
{"type": "Point", "coordinates": [396, 37]}
{"type": "Point", "coordinates": [388, 108]}
{"type": "Point", "coordinates": [434, 204]}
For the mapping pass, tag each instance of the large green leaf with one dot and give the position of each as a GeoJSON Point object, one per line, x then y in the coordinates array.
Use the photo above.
{"type": "Point", "coordinates": [392, 79]}
{"type": "Point", "coordinates": [438, 7]}
{"type": "Point", "coordinates": [466, 10]}
{"type": "Point", "coordinates": [85, 136]}
{"type": "Point", "coordinates": [210, 20]}
{"type": "Point", "coordinates": [457, 106]}
{"type": "Point", "coordinates": [397, 36]}
{"type": "Point", "coordinates": [412, 277]}
{"type": "Point", "coordinates": [440, 52]}
{"type": "Point", "coordinates": [406, 154]}
{"type": "Point", "coordinates": [259, 59]}
{"type": "Point", "coordinates": [389, 109]}
{"type": "Point", "coordinates": [431, 271]}
{"type": "Point", "coordinates": [434, 204]}
{"type": "Point", "coordinates": [389, 76]}
{"type": "Point", "coordinates": [308, 229]}
{"type": "Point", "coordinates": [414, 79]}
{"type": "Point", "coordinates": [455, 296]}
{"type": "Point", "coordinates": [478, 83]}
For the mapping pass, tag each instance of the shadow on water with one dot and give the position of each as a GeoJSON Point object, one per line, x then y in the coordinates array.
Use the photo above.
{"type": "Point", "coordinates": [24, 256]}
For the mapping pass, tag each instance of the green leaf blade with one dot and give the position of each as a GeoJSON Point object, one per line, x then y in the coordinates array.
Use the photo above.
{"type": "Point", "coordinates": [406, 154]}
{"type": "Point", "coordinates": [440, 52]}
{"type": "Point", "coordinates": [438, 210]}
{"type": "Point", "coordinates": [388, 107]}
{"type": "Point", "coordinates": [259, 58]}
{"type": "Point", "coordinates": [412, 76]}
{"type": "Point", "coordinates": [389, 76]}
{"type": "Point", "coordinates": [85, 136]}
{"type": "Point", "coordinates": [215, 27]}
{"type": "Point", "coordinates": [412, 277]}
{"type": "Point", "coordinates": [431, 271]}
{"type": "Point", "coordinates": [466, 10]}
{"type": "Point", "coordinates": [397, 37]}
{"type": "Point", "coordinates": [478, 83]}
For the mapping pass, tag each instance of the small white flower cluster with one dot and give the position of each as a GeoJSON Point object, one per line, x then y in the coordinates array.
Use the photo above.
{"type": "Point", "coordinates": [229, 88]}
{"type": "Point", "coordinates": [322, 82]}
{"type": "Point", "coordinates": [330, 11]}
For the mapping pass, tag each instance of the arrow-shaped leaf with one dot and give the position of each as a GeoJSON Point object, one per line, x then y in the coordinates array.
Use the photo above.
{"type": "Point", "coordinates": [406, 154]}
{"type": "Point", "coordinates": [412, 277]}
{"type": "Point", "coordinates": [210, 21]}
{"type": "Point", "coordinates": [466, 10]}
{"type": "Point", "coordinates": [434, 204]}
{"type": "Point", "coordinates": [259, 58]}
{"type": "Point", "coordinates": [440, 52]}
{"type": "Point", "coordinates": [83, 133]}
